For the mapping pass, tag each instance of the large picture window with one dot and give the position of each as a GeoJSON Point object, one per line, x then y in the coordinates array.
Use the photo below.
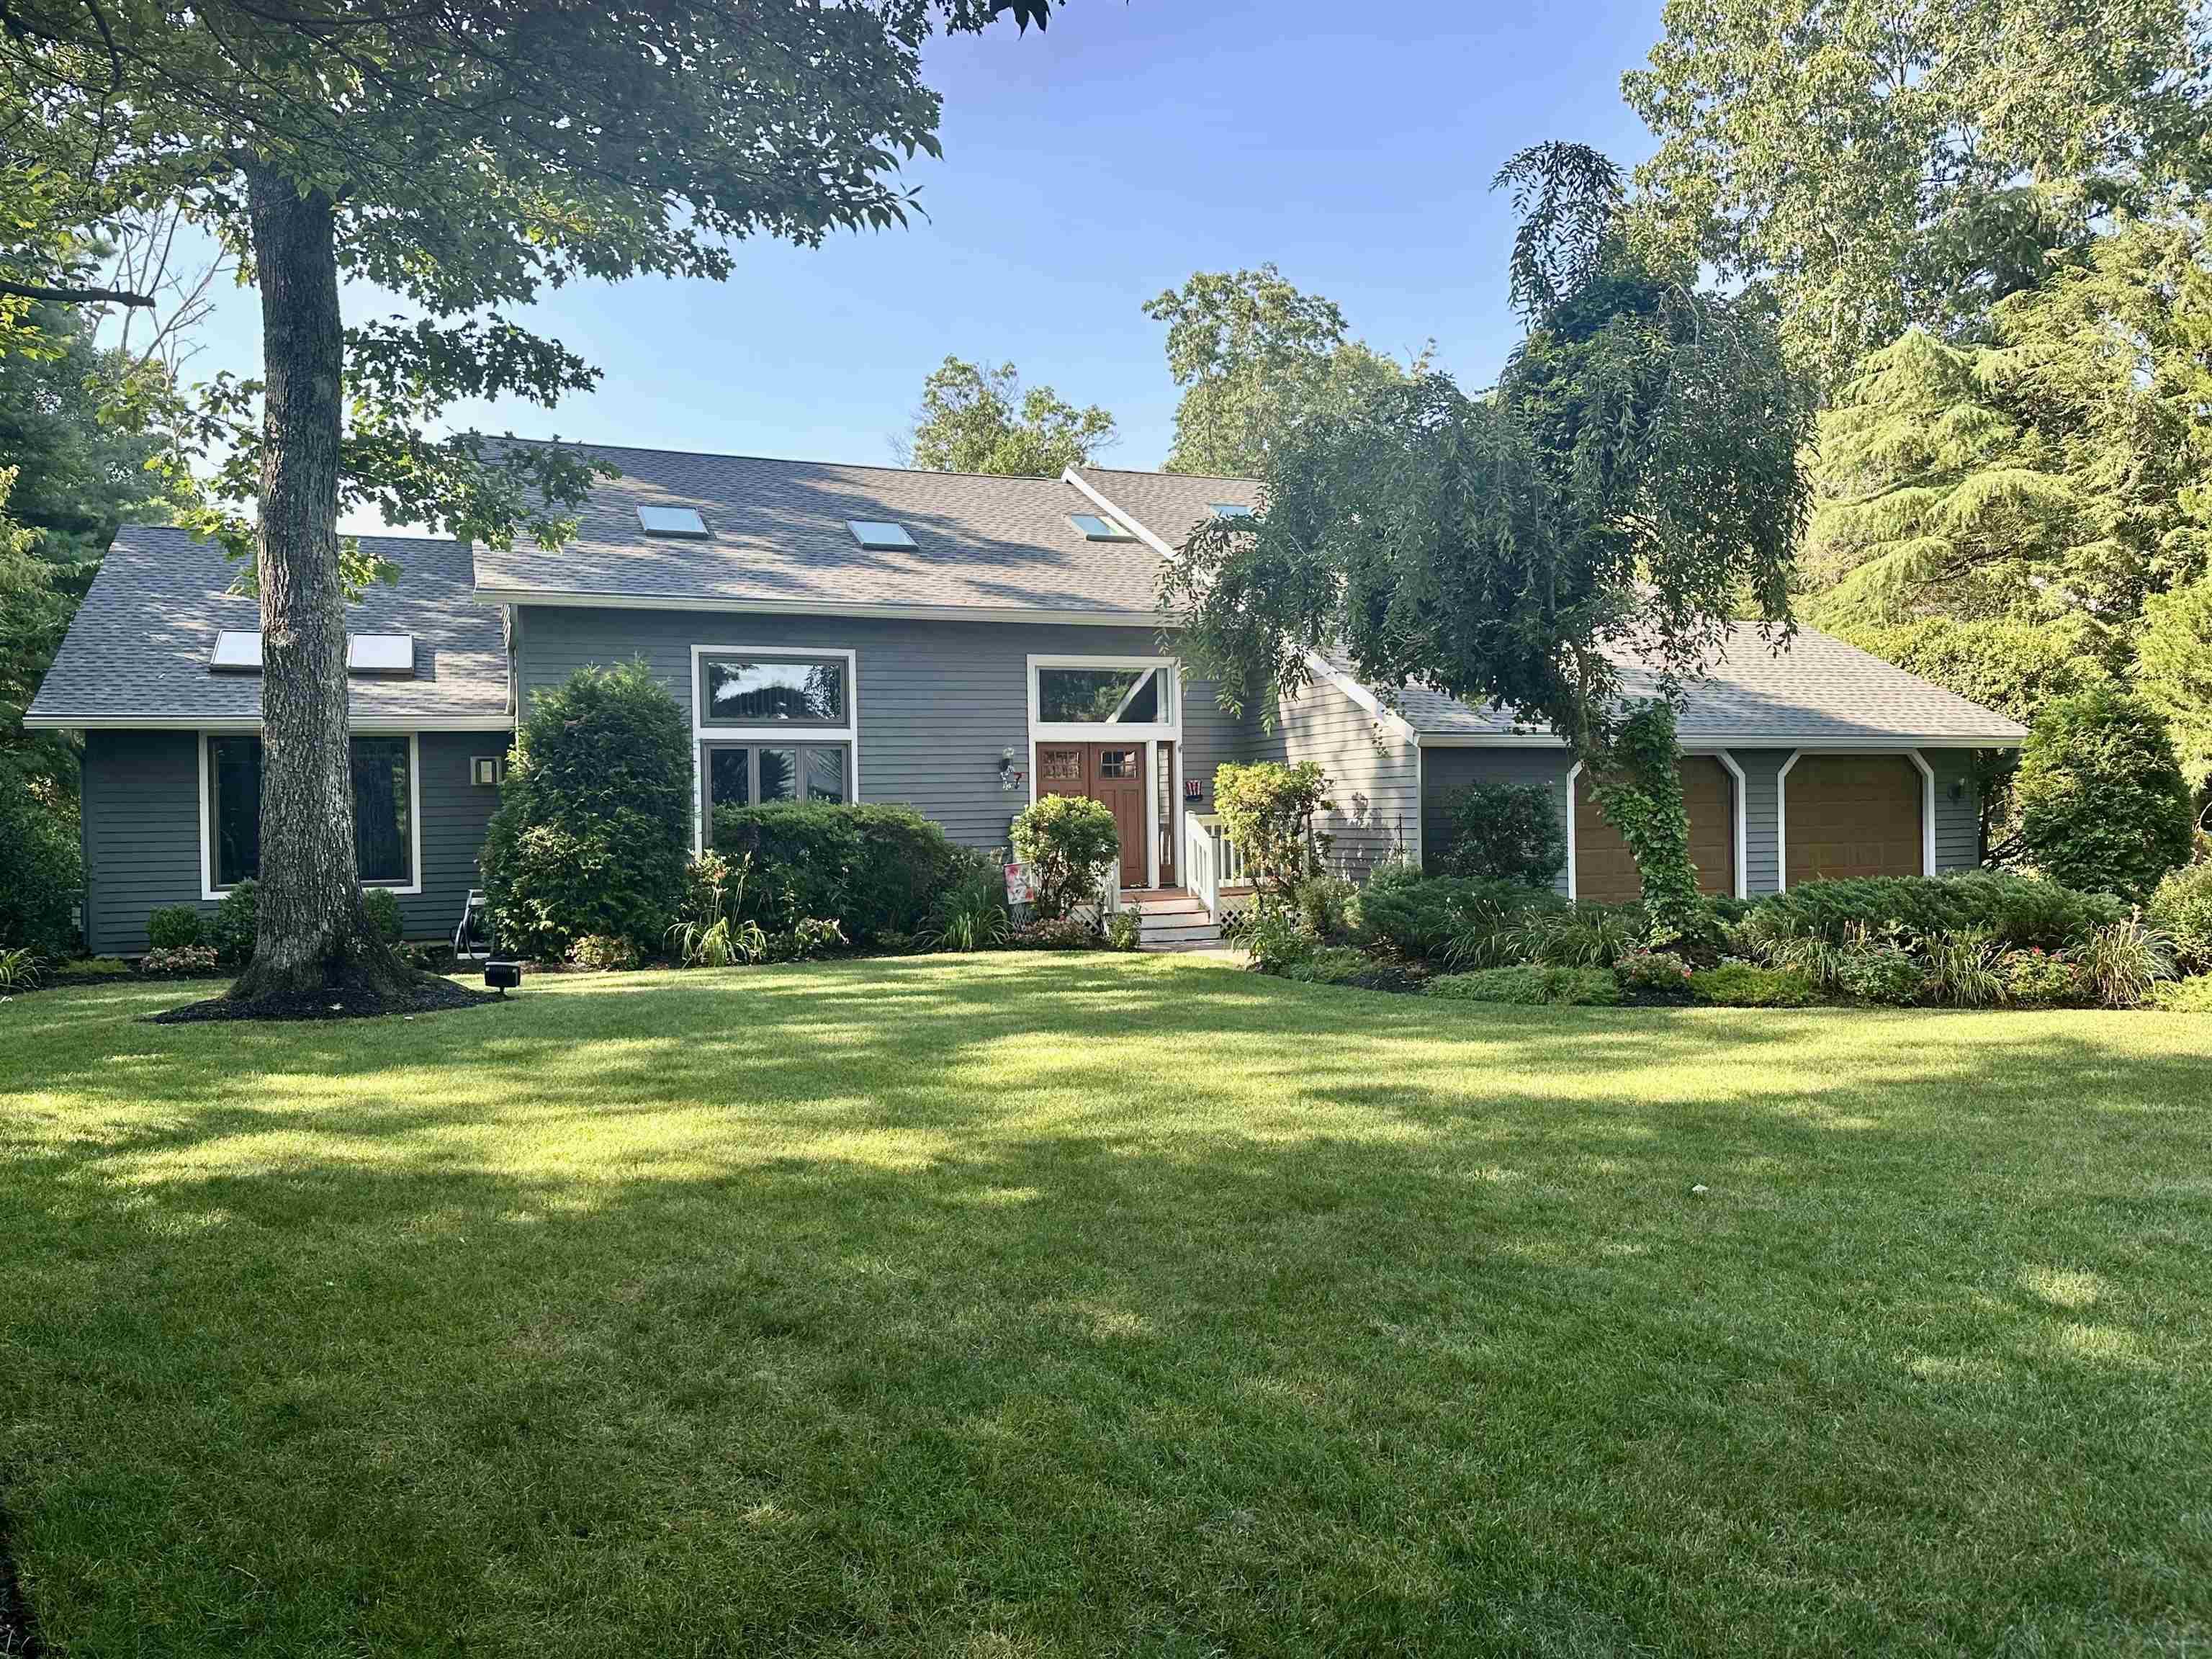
{"type": "Point", "coordinates": [746, 691]}
{"type": "Point", "coordinates": [383, 811]}
{"type": "Point", "coordinates": [753, 774]}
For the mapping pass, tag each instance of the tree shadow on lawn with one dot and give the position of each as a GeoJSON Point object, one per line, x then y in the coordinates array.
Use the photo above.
{"type": "Point", "coordinates": [1107, 1310]}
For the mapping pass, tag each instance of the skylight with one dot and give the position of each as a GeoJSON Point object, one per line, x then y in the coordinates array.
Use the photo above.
{"type": "Point", "coordinates": [380, 653]}
{"type": "Point", "coordinates": [878, 535]}
{"type": "Point", "coordinates": [672, 521]}
{"type": "Point", "coordinates": [1096, 529]}
{"type": "Point", "coordinates": [237, 651]}
{"type": "Point", "coordinates": [1229, 509]}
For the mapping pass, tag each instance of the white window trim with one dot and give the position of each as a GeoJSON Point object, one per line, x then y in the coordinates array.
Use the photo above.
{"type": "Point", "coordinates": [209, 892]}
{"type": "Point", "coordinates": [784, 735]}
{"type": "Point", "coordinates": [1148, 736]}
{"type": "Point", "coordinates": [1781, 805]}
{"type": "Point", "coordinates": [1741, 814]}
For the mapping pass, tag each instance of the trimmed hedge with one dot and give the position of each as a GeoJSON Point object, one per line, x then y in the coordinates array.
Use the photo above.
{"type": "Point", "coordinates": [2019, 911]}
{"type": "Point", "coordinates": [594, 831]}
{"type": "Point", "coordinates": [873, 869]}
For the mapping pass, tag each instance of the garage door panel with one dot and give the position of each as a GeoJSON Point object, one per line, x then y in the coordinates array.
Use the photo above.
{"type": "Point", "coordinates": [1605, 870]}
{"type": "Point", "coordinates": [1851, 816]}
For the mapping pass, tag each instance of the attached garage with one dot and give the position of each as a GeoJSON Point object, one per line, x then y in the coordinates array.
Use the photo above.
{"type": "Point", "coordinates": [1605, 870]}
{"type": "Point", "coordinates": [1844, 815]}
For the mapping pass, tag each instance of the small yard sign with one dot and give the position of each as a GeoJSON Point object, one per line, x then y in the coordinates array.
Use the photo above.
{"type": "Point", "coordinates": [1018, 890]}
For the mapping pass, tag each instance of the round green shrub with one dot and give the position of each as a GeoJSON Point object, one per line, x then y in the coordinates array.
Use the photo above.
{"type": "Point", "coordinates": [2103, 806]}
{"type": "Point", "coordinates": [1070, 844]}
{"type": "Point", "coordinates": [174, 928]}
{"type": "Point", "coordinates": [2182, 906]}
{"type": "Point", "coordinates": [1745, 985]}
{"type": "Point", "coordinates": [593, 830]}
{"type": "Point", "coordinates": [2039, 979]}
{"type": "Point", "coordinates": [41, 871]}
{"type": "Point", "coordinates": [381, 906]}
{"type": "Point", "coordinates": [235, 925]}
{"type": "Point", "coordinates": [604, 953]}
{"type": "Point", "coordinates": [1503, 832]}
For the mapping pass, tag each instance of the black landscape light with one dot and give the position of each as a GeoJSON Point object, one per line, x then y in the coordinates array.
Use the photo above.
{"type": "Point", "coordinates": [504, 976]}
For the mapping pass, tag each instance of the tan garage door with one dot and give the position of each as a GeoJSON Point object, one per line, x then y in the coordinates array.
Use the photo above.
{"type": "Point", "coordinates": [1852, 815]}
{"type": "Point", "coordinates": [1605, 870]}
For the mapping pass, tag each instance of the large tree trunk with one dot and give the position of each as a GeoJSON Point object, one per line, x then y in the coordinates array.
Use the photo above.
{"type": "Point", "coordinates": [312, 934]}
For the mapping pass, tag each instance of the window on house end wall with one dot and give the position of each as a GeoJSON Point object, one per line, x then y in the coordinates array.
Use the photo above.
{"type": "Point", "coordinates": [1104, 696]}
{"type": "Point", "coordinates": [383, 811]}
{"type": "Point", "coordinates": [736, 690]}
{"type": "Point", "coordinates": [737, 775]}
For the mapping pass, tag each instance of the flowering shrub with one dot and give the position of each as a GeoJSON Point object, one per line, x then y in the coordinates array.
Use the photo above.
{"type": "Point", "coordinates": [1652, 973]}
{"type": "Point", "coordinates": [178, 959]}
{"type": "Point", "coordinates": [2037, 978]}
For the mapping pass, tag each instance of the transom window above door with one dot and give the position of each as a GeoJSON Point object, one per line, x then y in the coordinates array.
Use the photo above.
{"type": "Point", "coordinates": [1105, 695]}
{"type": "Point", "coordinates": [750, 691]}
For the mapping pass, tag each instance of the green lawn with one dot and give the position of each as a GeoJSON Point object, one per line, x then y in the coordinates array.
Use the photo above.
{"type": "Point", "coordinates": [1028, 1304]}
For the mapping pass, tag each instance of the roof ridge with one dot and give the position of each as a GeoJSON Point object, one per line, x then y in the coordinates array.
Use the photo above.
{"type": "Point", "coordinates": [795, 460]}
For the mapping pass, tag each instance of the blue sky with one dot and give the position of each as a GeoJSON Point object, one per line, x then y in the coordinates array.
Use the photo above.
{"type": "Point", "coordinates": [1085, 171]}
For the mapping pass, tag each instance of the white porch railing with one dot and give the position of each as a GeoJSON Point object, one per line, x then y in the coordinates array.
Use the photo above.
{"type": "Point", "coordinates": [1212, 863]}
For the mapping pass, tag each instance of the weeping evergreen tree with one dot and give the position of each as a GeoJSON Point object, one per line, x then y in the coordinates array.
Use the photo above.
{"type": "Point", "coordinates": [1632, 487]}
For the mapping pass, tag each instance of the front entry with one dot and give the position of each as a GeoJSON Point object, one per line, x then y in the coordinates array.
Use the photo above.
{"type": "Point", "coordinates": [1112, 773]}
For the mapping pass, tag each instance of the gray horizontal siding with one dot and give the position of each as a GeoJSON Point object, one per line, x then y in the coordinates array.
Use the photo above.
{"type": "Point", "coordinates": [1762, 873]}
{"type": "Point", "coordinates": [1374, 774]}
{"type": "Point", "coordinates": [142, 832]}
{"type": "Point", "coordinates": [1446, 769]}
{"type": "Point", "coordinates": [1958, 819]}
{"type": "Point", "coordinates": [936, 700]}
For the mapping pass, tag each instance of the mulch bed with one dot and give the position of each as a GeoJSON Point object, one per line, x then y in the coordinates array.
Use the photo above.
{"type": "Point", "coordinates": [425, 996]}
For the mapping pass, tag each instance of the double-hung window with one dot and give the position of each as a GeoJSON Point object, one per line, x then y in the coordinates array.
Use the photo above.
{"type": "Point", "coordinates": [384, 826]}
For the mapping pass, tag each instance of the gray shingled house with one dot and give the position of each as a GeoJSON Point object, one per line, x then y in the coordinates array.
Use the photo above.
{"type": "Point", "coordinates": [958, 642]}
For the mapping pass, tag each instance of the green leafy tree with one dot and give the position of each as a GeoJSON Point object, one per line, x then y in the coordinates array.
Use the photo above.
{"type": "Point", "coordinates": [985, 420]}
{"type": "Point", "coordinates": [2174, 672]}
{"type": "Point", "coordinates": [2060, 467]}
{"type": "Point", "coordinates": [1255, 357]}
{"type": "Point", "coordinates": [464, 160]}
{"type": "Point", "coordinates": [1882, 168]}
{"type": "Point", "coordinates": [2102, 804]}
{"type": "Point", "coordinates": [1632, 487]}
{"type": "Point", "coordinates": [1269, 810]}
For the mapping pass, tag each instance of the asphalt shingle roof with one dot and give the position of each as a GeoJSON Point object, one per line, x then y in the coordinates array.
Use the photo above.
{"type": "Point", "coordinates": [779, 536]}
{"type": "Point", "coordinates": [140, 643]}
{"type": "Point", "coordinates": [1819, 690]}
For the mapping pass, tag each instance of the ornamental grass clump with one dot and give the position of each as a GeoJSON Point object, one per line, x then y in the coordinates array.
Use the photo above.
{"type": "Point", "coordinates": [2123, 963]}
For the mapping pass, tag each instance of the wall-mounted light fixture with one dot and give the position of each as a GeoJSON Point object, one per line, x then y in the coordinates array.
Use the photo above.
{"type": "Point", "coordinates": [1010, 775]}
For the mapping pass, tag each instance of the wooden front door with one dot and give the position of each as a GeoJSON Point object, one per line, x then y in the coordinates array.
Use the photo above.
{"type": "Point", "coordinates": [1111, 774]}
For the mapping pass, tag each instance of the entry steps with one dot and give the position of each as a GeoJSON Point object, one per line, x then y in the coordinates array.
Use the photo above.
{"type": "Point", "coordinates": [1169, 919]}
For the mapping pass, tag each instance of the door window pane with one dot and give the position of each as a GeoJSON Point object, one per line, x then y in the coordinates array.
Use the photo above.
{"type": "Point", "coordinates": [1098, 697]}
{"type": "Point", "coordinates": [1060, 765]}
{"type": "Point", "coordinates": [825, 774]}
{"type": "Point", "coordinates": [1117, 763]}
{"type": "Point", "coordinates": [382, 838]}
{"type": "Point", "coordinates": [778, 775]}
{"type": "Point", "coordinates": [234, 779]}
{"type": "Point", "coordinates": [740, 691]}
